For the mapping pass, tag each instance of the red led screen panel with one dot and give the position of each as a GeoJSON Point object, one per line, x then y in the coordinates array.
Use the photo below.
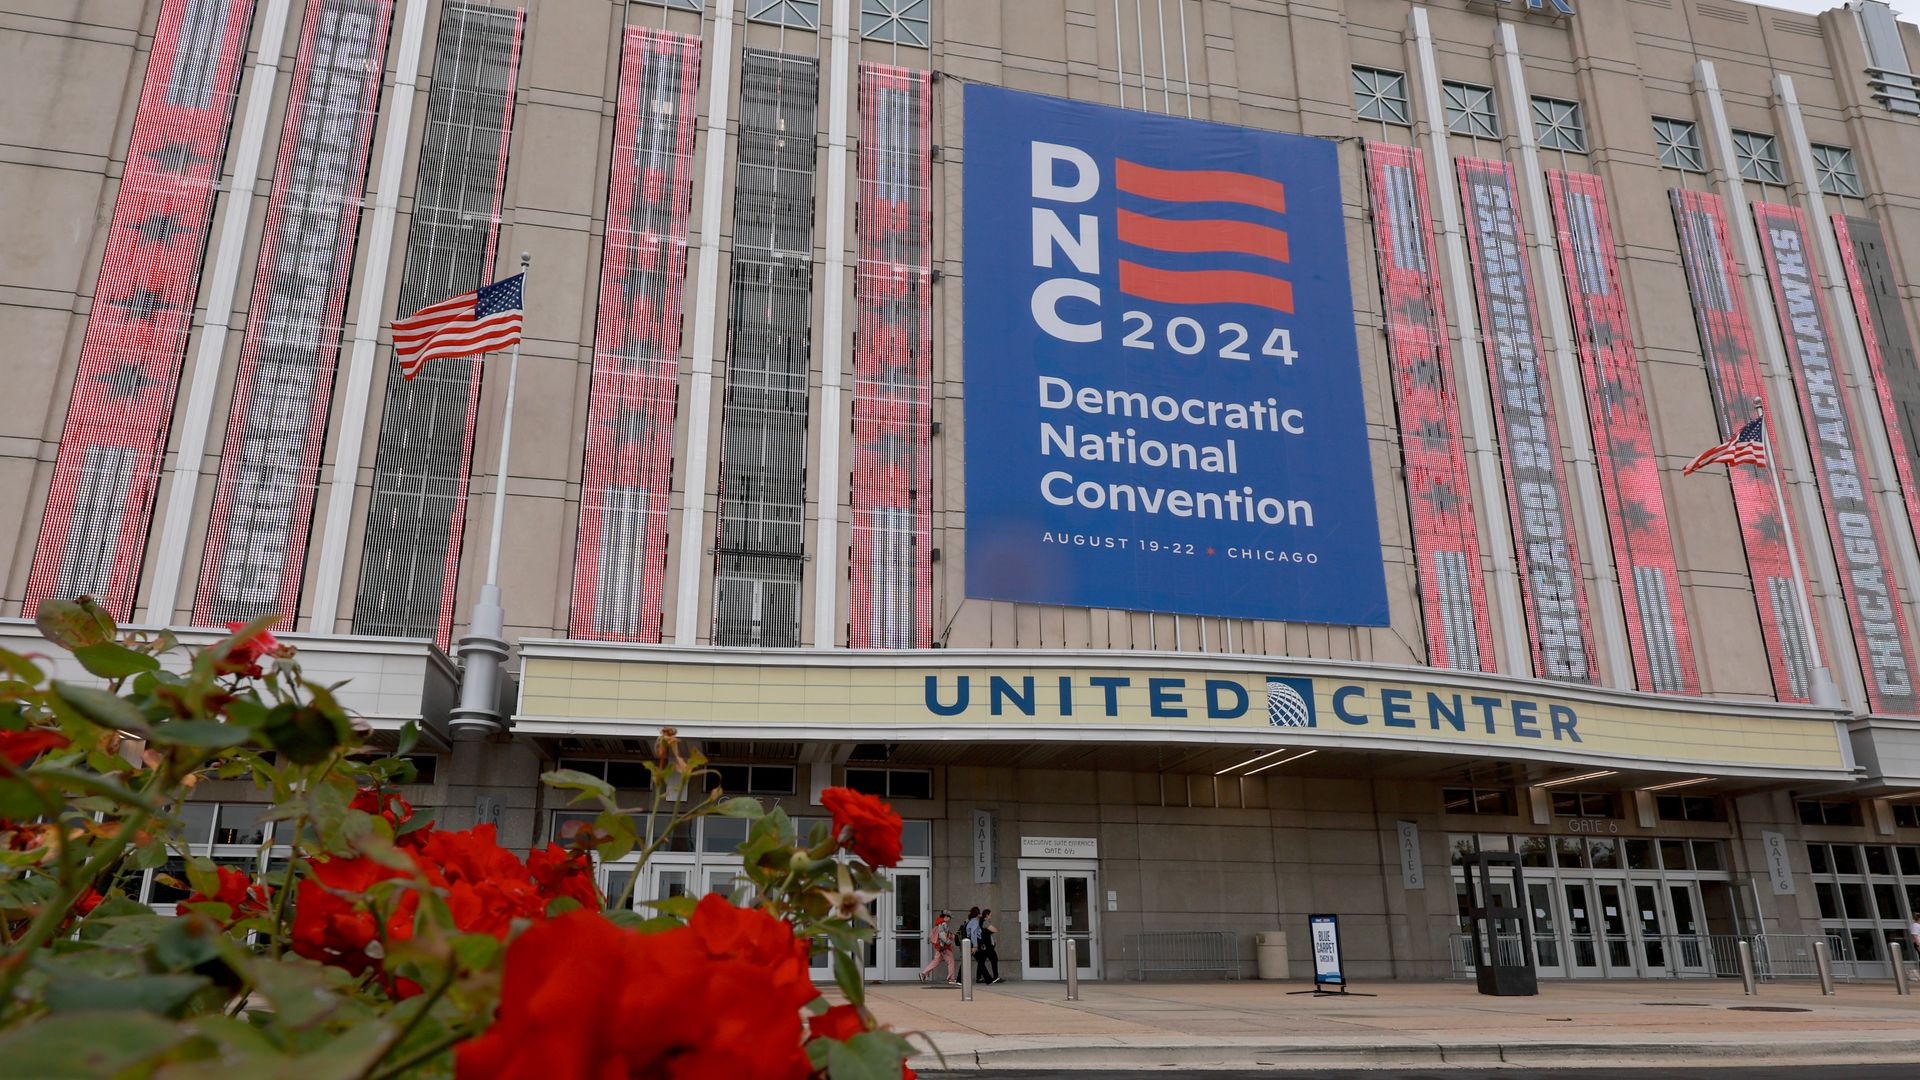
{"type": "Point", "coordinates": [93, 535]}
{"type": "Point", "coordinates": [1735, 376]}
{"type": "Point", "coordinates": [416, 514]}
{"type": "Point", "coordinates": [620, 556]}
{"type": "Point", "coordinates": [1545, 541]}
{"type": "Point", "coordinates": [256, 549]}
{"type": "Point", "coordinates": [890, 573]}
{"type": "Point", "coordinates": [1889, 341]}
{"type": "Point", "coordinates": [1860, 541]}
{"type": "Point", "coordinates": [1658, 632]}
{"type": "Point", "coordinates": [1446, 541]}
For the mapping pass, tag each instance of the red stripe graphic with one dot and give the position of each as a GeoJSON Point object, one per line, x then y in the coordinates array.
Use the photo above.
{"type": "Point", "coordinates": [1196, 236]}
{"type": "Point", "coordinates": [1199, 185]}
{"type": "Point", "coordinates": [1205, 287]}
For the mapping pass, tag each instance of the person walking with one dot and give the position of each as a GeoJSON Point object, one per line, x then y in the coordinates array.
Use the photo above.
{"type": "Point", "coordinates": [941, 938]}
{"type": "Point", "coordinates": [971, 928]}
{"type": "Point", "coordinates": [986, 961]}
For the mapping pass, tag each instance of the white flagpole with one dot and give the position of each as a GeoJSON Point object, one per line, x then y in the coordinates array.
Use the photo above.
{"type": "Point", "coordinates": [1819, 678]}
{"type": "Point", "coordinates": [483, 651]}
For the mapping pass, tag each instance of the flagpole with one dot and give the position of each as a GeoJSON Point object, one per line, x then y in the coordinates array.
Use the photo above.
{"type": "Point", "coordinates": [1821, 688]}
{"type": "Point", "coordinates": [483, 651]}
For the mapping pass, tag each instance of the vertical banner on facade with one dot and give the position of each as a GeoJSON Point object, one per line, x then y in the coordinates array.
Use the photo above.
{"type": "Point", "coordinates": [1735, 377]}
{"type": "Point", "coordinates": [1658, 631]}
{"type": "Point", "coordinates": [1860, 541]}
{"type": "Point", "coordinates": [1446, 540]}
{"type": "Point", "coordinates": [93, 534]}
{"type": "Point", "coordinates": [410, 557]}
{"type": "Point", "coordinates": [1890, 345]}
{"type": "Point", "coordinates": [1164, 408]}
{"type": "Point", "coordinates": [890, 573]}
{"type": "Point", "coordinates": [626, 480]}
{"type": "Point", "coordinates": [1545, 541]}
{"type": "Point", "coordinates": [760, 547]}
{"type": "Point", "coordinates": [256, 551]}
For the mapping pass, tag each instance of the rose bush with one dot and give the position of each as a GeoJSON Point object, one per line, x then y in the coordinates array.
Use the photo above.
{"type": "Point", "coordinates": [382, 945]}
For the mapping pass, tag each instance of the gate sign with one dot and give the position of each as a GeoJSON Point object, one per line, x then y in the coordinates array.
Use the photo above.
{"type": "Point", "coordinates": [1325, 933]}
{"type": "Point", "coordinates": [1163, 395]}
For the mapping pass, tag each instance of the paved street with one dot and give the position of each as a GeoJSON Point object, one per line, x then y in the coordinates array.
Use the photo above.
{"type": "Point", "coordinates": [1659, 1026]}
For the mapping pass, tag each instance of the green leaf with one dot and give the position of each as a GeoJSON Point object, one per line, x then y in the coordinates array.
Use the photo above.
{"type": "Point", "coordinates": [679, 907]}
{"type": "Point", "coordinates": [301, 991]}
{"type": "Point", "coordinates": [863, 1057]}
{"type": "Point", "coordinates": [477, 952]}
{"type": "Point", "coordinates": [113, 908]}
{"type": "Point", "coordinates": [741, 807]}
{"type": "Point", "coordinates": [206, 734]}
{"type": "Point", "coordinates": [85, 1046]}
{"type": "Point", "coordinates": [100, 707]}
{"type": "Point", "coordinates": [846, 975]}
{"type": "Point", "coordinates": [408, 739]}
{"type": "Point", "coordinates": [163, 995]}
{"type": "Point", "coordinates": [574, 780]}
{"type": "Point", "coordinates": [112, 660]}
{"type": "Point", "coordinates": [202, 876]}
{"type": "Point", "coordinates": [622, 836]}
{"type": "Point", "coordinates": [306, 734]}
{"type": "Point", "coordinates": [21, 667]}
{"type": "Point", "coordinates": [74, 623]}
{"type": "Point", "coordinates": [185, 945]}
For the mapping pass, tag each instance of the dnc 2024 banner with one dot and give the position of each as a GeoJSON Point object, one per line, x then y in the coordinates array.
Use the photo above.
{"type": "Point", "coordinates": [1163, 402]}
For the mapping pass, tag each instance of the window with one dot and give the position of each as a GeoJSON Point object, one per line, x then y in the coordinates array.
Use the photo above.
{"type": "Point", "coordinates": [1690, 808]}
{"type": "Point", "coordinates": [1497, 801]}
{"type": "Point", "coordinates": [892, 783]}
{"type": "Point", "coordinates": [1815, 812]}
{"type": "Point", "coordinates": [804, 14]}
{"type": "Point", "coordinates": [1470, 110]}
{"type": "Point", "coordinates": [1380, 95]}
{"type": "Point", "coordinates": [1758, 157]}
{"type": "Point", "coordinates": [1678, 144]}
{"type": "Point", "coordinates": [1833, 167]}
{"type": "Point", "coordinates": [900, 21]}
{"type": "Point", "coordinates": [1558, 126]}
{"type": "Point", "coordinates": [1907, 816]}
{"type": "Point", "coordinates": [751, 779]}
{"type": "Point", "coordinates": [426, 767]}
{"type": "Point", "coordinates": [628, 775]}
{"type": "Point", "coordinates": [1597, 804]}
{"type": "Point", "coordinates": [684, 5]}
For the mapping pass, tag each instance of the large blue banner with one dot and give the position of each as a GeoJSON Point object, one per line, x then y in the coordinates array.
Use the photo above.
{"type": "Point", "coordinates": [1163, 395]}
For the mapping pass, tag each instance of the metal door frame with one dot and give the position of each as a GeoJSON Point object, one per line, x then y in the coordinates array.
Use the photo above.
{"type": "Point", "coordinates": [1056, 870]}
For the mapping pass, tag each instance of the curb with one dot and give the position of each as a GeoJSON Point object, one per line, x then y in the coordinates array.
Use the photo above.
{"type": "Point", "coordinates": [1851, 1051]}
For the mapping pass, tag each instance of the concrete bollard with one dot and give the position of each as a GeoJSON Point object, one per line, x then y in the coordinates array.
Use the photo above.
{"type": "Point", "coordinates": [1824, 963]}
{"type": "Point", "coordinates": [966, 969]}
{"type": "Point", "coordinates": [1746, 966]}
{"type": "Point", "coordinates": [1073, 970]}
{"type": "Point", "coordinates": [1900, 986]}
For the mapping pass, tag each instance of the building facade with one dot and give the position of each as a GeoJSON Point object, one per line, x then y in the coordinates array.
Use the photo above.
{"type": "Point", "coordinates": [1580, 247]}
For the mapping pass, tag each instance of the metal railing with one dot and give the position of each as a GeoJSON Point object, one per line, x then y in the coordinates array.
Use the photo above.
{"type": "Point", "coordinates": [1679, 956]}
{"type": "Point", "coordinates": [1161, 952]}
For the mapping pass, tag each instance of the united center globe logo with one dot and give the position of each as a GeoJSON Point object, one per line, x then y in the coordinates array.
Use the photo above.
{"type": "Point", "coordinates": [1286, 705]}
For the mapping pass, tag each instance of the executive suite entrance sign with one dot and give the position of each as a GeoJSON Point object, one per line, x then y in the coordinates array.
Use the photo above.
{"type": "Point", "coordinates": [1088, 696]}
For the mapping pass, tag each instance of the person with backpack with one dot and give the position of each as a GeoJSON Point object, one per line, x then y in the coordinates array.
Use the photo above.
{"type": "Point", "coordinates": [971, 928]}
{"type": "Point", "coordinates": [986, 960]}
{"type": "Point", "coordinates": [940, 936]}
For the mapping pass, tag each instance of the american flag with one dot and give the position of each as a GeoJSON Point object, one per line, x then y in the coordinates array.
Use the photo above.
{"type": "Point", "coordinates": [1747, 447]}
{"type": "Point", "coordinates": [466, 325]}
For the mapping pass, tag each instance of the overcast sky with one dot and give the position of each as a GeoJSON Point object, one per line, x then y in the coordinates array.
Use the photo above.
{"type": "Point", "coordinates": [1907, 9]}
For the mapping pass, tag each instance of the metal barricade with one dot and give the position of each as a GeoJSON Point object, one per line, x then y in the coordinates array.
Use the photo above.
{"type": "Point", "coordinates": [1163, 952]}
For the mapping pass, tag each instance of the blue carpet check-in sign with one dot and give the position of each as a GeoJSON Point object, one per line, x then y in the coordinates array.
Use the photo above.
{"type": "Point", "coordinates": [1163, 402]}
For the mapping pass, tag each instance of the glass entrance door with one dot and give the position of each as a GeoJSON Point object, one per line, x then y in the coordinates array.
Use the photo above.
{"type": "Point", "coordinates": [1647, 919]}
{"type": "Point", "coordinates": [1689, 931]}
{"type": "Point", "coordinates": [1616, 948]}
{"type": "Point", "coordinates": [900, 917]}
{"type": "Point", "coordinates": [1548, 956]}
{"type": "Point", "coordinates": [1583, 944]}
{"type": "Point", "coordinates": [1057, 906]}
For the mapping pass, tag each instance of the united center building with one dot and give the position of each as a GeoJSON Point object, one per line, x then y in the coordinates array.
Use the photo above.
{"type": "Point", "coordinates": [1205, 462]}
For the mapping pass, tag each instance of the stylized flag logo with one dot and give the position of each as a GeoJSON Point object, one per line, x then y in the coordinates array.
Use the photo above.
{"type": "Point", "coordinates": [1183, 211]}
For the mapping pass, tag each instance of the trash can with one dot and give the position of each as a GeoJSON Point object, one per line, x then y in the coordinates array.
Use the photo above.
{"type": "Point", "coordinates": [1270, 953]}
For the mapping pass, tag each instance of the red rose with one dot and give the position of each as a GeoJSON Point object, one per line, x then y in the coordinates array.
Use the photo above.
{"type": "Point", "coordinates": [244, 656]}
{"type": "Point", "coordinates": [719, 998]}
{"type": "Point", "coordinates": [840, 1023]}
{"type": "Point", "coordinates": [875, 827]}
{"type": "Point", "coordinates": [331, 919]}
{"type": "Point", "coordinates": [242, 896]}
{"type": "Point", "coordinates": [397, 811]}
{"type": "Point", "coordinates": [20, 747]}
{"type": "Point", "coordinates": [87, 901]}
{"type": "Point", "coordinates": [558, 872]}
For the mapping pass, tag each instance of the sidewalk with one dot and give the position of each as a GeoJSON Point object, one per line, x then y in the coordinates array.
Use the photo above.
{"type": "Point", "coordinates": [1219, 1025]}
